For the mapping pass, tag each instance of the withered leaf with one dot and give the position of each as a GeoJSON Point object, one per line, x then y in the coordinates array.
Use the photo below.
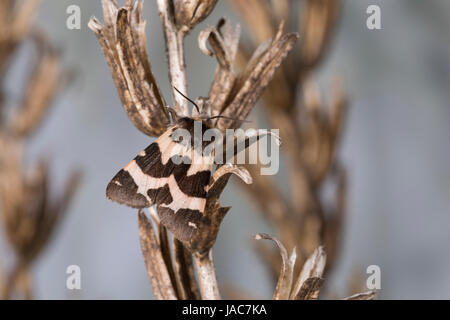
{"type": "Point", "coordinates": [189, 13]}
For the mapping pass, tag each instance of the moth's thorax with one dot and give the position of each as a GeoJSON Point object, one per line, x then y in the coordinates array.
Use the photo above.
{"type": "Point", "coordinates": [188, 123]}
{"type": "Point", "coordinates": [195, 128]}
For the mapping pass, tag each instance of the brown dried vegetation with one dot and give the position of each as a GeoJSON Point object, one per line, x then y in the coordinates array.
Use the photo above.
{"type": "Point", "coordinates": [29, 213]}
{"type": "Point", "coordinates": [309, 128]}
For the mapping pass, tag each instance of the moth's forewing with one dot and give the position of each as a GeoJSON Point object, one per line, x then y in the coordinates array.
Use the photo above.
{"type": "Point", "coordinates": [157, 177]}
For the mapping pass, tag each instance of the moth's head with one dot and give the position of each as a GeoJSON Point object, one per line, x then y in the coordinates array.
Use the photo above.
{"type": "Point", "coordinates": [199, 115]}
{"type": "Point", "coordinates": [175, 117]}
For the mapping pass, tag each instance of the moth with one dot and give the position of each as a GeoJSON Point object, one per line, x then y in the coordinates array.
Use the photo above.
{"type": "Point", "coordinates": [166, 175]}
{"type": "Point", "coordinates": [173, 174]}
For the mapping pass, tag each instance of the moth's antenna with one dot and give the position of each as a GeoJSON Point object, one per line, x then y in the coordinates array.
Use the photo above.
{"type": "Point", "coordinates": [196, 106]}
{"type": "Point", "coordinates": [229, 118]}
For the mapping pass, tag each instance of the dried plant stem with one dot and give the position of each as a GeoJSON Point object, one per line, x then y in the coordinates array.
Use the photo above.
{"type": "Point", "coordinates": [154, 261]}
{"type": "Point", "coordinates": [175, 54]}
{"type": "Point", "coordinates": [207, 276]}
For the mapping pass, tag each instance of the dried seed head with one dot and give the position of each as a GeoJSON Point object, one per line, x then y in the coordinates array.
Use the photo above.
{"type": "Point", "coordinates": [188, 13]}
{"type": "Point", "coordinates": [123, 40]}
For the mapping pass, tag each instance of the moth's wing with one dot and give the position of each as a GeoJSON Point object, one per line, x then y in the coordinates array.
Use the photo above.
{"type": "Point", "coordinates": [178, 189]}
{"type": "Point", "coordinates": [187, 185]}
{"type": "Point", "coordinates": [143, 181]}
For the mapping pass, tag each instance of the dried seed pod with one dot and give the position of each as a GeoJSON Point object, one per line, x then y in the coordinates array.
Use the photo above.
{"type": "Point", "coordinates": [188, 13]}
{"type": "Point", "coordinates": [122, 38]}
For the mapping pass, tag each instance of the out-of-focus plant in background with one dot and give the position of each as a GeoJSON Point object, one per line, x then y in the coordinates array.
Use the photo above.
{"type": "Point", "coordinates": [310, 127]}
{"type": "Point", "coordinates": [30, 214]}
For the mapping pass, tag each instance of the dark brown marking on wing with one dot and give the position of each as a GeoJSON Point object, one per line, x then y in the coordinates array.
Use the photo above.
{"type": "Point", "coordinates": [160, 195]}
{"type": "Point", "coordinates": [151, 164]}
{"type": "Point", "coordinates": [123, 189]}
{"type": "Point", "coordinates": [179, 223]}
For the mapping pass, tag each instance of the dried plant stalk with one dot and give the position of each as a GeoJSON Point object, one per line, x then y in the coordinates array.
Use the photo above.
{"type": "Point", "coordinates": [207, 276]}
{"type": "Point", "coordinates": [175, 53]}
{"type": "Point", "coordinates": [184, 271]}
{"type": "Point", "coordinates": [156, 265]}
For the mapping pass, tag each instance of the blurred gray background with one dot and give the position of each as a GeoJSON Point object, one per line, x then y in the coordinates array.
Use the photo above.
{"type": "Point", "coordinates": [395, 147]}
